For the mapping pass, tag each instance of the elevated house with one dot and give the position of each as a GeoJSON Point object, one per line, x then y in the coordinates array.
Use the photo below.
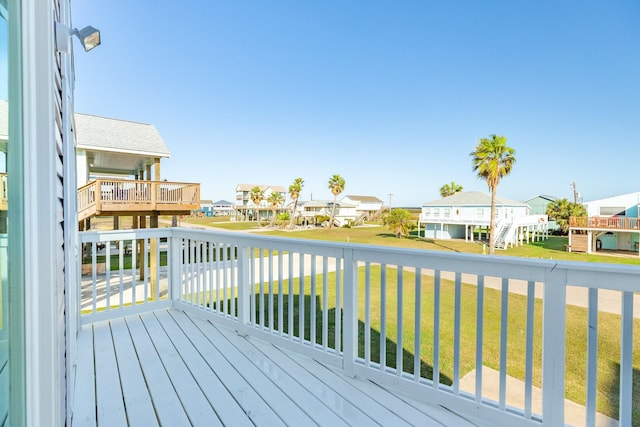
{"type": "Point", "coordinates": [118, 173]}
{"type": "Point", "coordinates": [312, 210]}
{"type": "Point", "coordinates": [246, 210]}
{"type": "Point", "coordinates": [539, 205]}
{"type": "Point", "coordinates": [462, 215]}
{"type": "Point", "coordinates": [366, 206]}
{"type": "Point", "coordinates": [611, 224]}
{"type": "Point", "coordinates": [223, 208]}
{"type": "Point", "coordinates": [243, 329]}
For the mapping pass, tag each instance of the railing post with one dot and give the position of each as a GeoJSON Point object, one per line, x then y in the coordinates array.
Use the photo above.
{"type": "Point", "coordinates": [244, 295]}
{"type": "Point", "coordinates": [553, 346]}
{"type": "Point", "coordinates": [174, 262]}
{"type": "Point", "coordinates": [350, 314]}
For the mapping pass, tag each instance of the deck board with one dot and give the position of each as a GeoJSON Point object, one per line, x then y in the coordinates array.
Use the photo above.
{"type": "Point", "coordinates": [196, 405]}
{"type": "Point", "coordinates": [225, 406]}
{"type": "Point", "coordinates": [170, 368]}
{"type": "Point", "coordinates": [109, 401]}
{"type": "Point", "coordinates": [84, 404]}
{"type": "Point", "coordinates": [134, 390]}
{"type": "Point", "coordinates": [166, 402]}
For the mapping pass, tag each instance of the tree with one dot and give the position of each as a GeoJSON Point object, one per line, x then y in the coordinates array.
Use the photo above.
{"type": "Point", "coordinates": [283, 218]}
{"type": "Point", "coordinates": [256, 196]}
{"type": "Point", "coordinates": [400, 221]}
{"type": "Point", "coordinates": [492, 160]}
{"type": "Point", "coordinates": [294, 192]}
{"type": "Point", "coordinates": [561, 210]}
{"type": "Point", "coordinates": [450, 189]}
{"type": "Point", "coordinates": [275, 199]}
{"type": "Point", "coordinates": [336, 185]}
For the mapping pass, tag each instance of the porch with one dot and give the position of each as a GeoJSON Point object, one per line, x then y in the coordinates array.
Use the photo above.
{"type": "Point", "coordinates": [331, 333]}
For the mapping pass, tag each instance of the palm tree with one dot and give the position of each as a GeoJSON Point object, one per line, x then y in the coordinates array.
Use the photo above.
{"type": "Point", "coordinates": [450, 189]}
{"type": "Point", "coordinates": [400, 221]}
{"type": "Point", "coordinates": [256, 196]}
{"type": "Point", "coordinates": [336, 185]}
{"type": "Point", "coordinates": [275, 199]}
{"type": "Point", "coordinates": [492, 160]}
{"type": "Point", "coordinates": [561, 210]}
{"type": "Point", "coordinates": [294, 192]}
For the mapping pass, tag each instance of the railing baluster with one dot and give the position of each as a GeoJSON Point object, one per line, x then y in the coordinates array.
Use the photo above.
{"type": "Point", "coordinates": [134, 278]}
{"type": "Point", "coordinates": [325, 303]}
{"type": "Point", "coordinates": [383, 317]}
{"type": "Point", "coordinates": [350, 310]}
{"type": "Point", "coordinates": [626, 359]}
{"type": "Point", "coordinates": [107, 260]}
{"type": "Point", "coordinates": [528, 375]}
{"type": "Point", "coordinates": [260, 304]}
{"type": "Point", "coordinates": [504, 322]}
{"type": "Point", "coordinates": [592, 357]}
{"type": "Point", "coordinates": [417, 325]}
{"type": "Point", "coordinates": [301, 296]}
{"type": "Point", "coordinates": [400, 318]}
{"type": "Point", "coordinates": [479, 336]}
{"type": "Point", "coordinates": [121, 271]}
{"type": "Point", "coordinates": [271, 313]}
{"type": "Point", "coordinates": [252, 287]}
{"type": "Point", "coordinates": [457, 308]}
{"type": "Point", "coordinates": [436, 329]}
{"type": "Point", "coordinates": [94, 277]}
{"type": "Point", "coordinates": [312, 302]}
{"type": "Point", "coordinates": [339, 307]}
{"type": "Point", "coordinates": [280, 292]}
{"type": "Point", "coordinates": [367, 313]}
{"type": "Point", "coordinates": [290, 298]}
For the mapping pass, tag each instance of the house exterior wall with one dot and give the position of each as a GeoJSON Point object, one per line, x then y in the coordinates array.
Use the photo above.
{"type": "Point", "coordinates": [41, 246]}
{"type": "Point", "coordinates": [469, 214]}
{"type": "Point", "coordinates": [623, 205]}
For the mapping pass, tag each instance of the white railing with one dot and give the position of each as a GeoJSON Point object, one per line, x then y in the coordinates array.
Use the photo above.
{"type": "Point", "coordinates": [357, 307]}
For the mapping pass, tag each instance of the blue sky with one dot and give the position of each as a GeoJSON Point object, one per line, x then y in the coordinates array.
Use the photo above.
{"type": "Point", "coordinates": [392, 95]}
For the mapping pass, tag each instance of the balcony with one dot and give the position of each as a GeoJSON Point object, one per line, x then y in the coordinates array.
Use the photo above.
{"type": "Point", "coordinates": [127, 197]}
{"type": "Point", "coordinates": [223, 327]}
{"type": "Point", "coordinates": [604, 223]}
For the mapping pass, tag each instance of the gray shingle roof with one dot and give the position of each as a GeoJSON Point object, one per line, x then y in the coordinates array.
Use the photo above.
{"type": "Point", "coordinates": [472, 198]}
{"type": "Point", "coordinates": [114, 135]}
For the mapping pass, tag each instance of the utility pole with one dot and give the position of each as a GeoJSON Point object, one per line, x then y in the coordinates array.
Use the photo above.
{"type": "Point", "coordinates": [390, 196]}
{"type": "Point", "coordinates": [575, 193]}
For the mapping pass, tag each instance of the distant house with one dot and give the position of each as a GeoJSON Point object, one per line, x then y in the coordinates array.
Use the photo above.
{"type": "Point", "coordinates": [247, 210]}
{"type": "Point", "coordinates": [611, 224]}
{"type": "Point", "coordinates": [312, 209]}
{"type": "Point", "coordinates": [366, 206]}
{"type": "Point", "coordinates": [539, 204]}
{"type": "Point", "coordinates": [460, 215]}
{"type": "Point", "coordinates": [223, 208]}
{"type": "Point", "coordinates": [206, 207]}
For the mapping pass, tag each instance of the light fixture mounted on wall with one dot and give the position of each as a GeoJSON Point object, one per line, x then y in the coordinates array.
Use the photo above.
{"type": "Point", "coordinates": [89, 37]}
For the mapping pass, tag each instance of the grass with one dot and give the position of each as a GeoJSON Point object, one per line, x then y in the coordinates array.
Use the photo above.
{"type": "Point", "coordinates": [576, 330]}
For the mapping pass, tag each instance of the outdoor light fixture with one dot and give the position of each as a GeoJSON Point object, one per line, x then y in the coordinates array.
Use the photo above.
{"type": "Point", "coordinates": [89, 37]}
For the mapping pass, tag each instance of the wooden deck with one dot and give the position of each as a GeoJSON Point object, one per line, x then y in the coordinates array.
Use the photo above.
{"type": "Point", "coordinates": [129, 197]}
{"type": "Point", "coordinates": [173, 369]}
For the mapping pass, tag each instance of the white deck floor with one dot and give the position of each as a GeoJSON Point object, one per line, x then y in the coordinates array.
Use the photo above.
{"type": "Point", "coordinates": [168, 368]}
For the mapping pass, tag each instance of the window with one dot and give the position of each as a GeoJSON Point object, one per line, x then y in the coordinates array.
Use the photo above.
{"type": "Point", "coordinates": [480, 212]}
{"type": "Point", "coordinates": [436, 211]}
{"type": "Point", "coordinates": [427, 211]}
{"type": "Point", "coordinates": [447, 212]}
